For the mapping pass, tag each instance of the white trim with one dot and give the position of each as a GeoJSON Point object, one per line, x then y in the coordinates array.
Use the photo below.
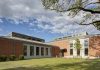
{"type": "Point", "coordinates": [49, 50]}
{"type": "Point", "coordinates": [39, 56]}
{"type": "Point", "coordinates": [40, 51]}
{"type": "Point", "coordinates": [44, 51]}
{"type": "Point", "coordinates": [28, 51]}
{"type": "Point", "coordinates": [34, 51]}
{"type": "Point", "coordinates": [82, 50]}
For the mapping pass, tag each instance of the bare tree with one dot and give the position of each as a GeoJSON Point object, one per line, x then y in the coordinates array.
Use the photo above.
{"type": "Point", "coordinates": [90, 7]}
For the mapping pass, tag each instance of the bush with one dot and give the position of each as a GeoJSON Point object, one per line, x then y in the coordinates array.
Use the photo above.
{"type": "Point", "coordinates": [21, 57]}
{"type": "Point", "coordinates": [0, 57]}
{"type": "Point", "coordinates": [3, 58]}
{"type": "Point", "coordinates": [12, 57]}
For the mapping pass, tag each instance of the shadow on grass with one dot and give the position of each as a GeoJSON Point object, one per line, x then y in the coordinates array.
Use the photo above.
{"type": "Point", "coordinates": [85, 65]}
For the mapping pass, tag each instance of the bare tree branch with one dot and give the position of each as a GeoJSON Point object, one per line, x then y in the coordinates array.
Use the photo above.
{"type": "Point", "coordinates": [91, 4]}
{"type": "Point", "coordinates": [91, 23]}
{"type": "Point", "coordinates": [86, 10]}
{"type": "Point", "coordinates": [74, 7]}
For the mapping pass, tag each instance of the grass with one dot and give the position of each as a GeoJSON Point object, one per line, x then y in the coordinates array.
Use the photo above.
{"type": "Point", "coordinates": [51, 64]}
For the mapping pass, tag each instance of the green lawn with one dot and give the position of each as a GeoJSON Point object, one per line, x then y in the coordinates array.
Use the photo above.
{"type": "Point", "coordinates": [51, 64]}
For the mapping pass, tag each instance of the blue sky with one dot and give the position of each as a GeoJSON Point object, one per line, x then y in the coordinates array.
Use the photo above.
{"type": "Point", "coordinates": [29, 17]}
{"type": "Point", "coordinates": [7, 26]}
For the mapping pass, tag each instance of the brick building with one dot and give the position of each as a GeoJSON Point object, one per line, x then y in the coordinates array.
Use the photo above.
{"type": "Point", "coordinates": [90, 46]}
{"type": "Point", "coordinates": [31, 47]}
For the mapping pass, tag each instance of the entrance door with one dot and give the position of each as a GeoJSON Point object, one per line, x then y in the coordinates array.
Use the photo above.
{"type": "Point", "coordinates": [62, 54]}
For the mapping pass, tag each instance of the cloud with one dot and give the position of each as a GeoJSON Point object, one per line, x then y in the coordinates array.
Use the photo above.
{"type": "Point", "coordinates": [1, 21]}
{"type": "Point", "coordinates": [18, 8]}
{"type": "Point", "coordinates": [32, 12]}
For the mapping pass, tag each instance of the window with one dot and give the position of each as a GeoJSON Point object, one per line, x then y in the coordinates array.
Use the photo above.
{"type": "Point", "coordinates": [42, 51]}
{"type": "Point", "coordinates": [71, 51]}
{"type": "Point", "coordinates": [25, 50]}
{"type": "Point", "coordinates": [71, 45]}
{"type": "Point", "coordinates": [86, 51]}
{"type": "Point", "coordinates": [37, 51]}
{"type": "Point", "coordinates": [86, 43]}
{"type": "Point", "coordinates": [46, 51]}
{"type": "Point", "coordinates": [31, 50]}
{"type": "Point", "coordinates": [78, 52]}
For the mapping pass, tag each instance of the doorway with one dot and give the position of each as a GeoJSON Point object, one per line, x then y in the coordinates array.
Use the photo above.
{"type": "Point", "coordinates": [63, 51]}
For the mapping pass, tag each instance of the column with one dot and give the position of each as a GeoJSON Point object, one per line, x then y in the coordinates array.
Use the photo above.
{"type": "Point", "coordinates": [44, 51]}
{"type": "Point", "coordinates": [34, 50]}
{"type": "Point", "coordinates": [49, 51]}
{"type": "Point", "coordinates": [74, 52]}
{"type": "Point", "coordinates": [40, 51]}
{"type": "Point", "coordinates": [28, 51]}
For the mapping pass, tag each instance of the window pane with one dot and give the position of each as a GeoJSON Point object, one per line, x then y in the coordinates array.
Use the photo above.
{"type": "Point", "coordinates": [85, 43]}
{"type": "Point", "coordinates": [86, 51]}
{"type": "Point", "coordinates": [42, 51]}
{"type": "Point", "coordinates": [71, 51]}
{"type": "Point", "coordinates": [46, 51]}
{"type": "Point", "coordinates": [71, 44]}
{"type": "Point", "coordinates": [37, 51]}
{"type": "Point", "coordinates": [78, 52]}
{"type": "Point", "coordinates": [25, 50]}
{"type": "Point", "coordinates": [31, 50]}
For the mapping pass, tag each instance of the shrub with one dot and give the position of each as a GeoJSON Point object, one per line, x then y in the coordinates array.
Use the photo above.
{"type": "Point", "coordinates": [3, 58]}
{"type": "Point", "coordinates": [21, 57]}
{"type": "Point", "coordinates": [0, 57]}
{"type": "Point", "coordinates": [12, 57]}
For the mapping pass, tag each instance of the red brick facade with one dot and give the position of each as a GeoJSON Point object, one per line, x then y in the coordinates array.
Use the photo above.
{"type": "Point", "coordinates": [93, 50]}
{"type": "Point", "coordinates": [55, 51]}
{"type": "Point", "coordinates": [15, 47]}
{"type": "Point", "coordinates": [94, 46]}
{"type": "Point", "coordinates": [63, 44]}
{"type": "Point", "coordinates": [10, 47]}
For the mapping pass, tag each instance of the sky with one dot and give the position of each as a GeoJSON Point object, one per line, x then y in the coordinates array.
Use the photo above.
{"type": "Point", "coordinates": [29, 17]}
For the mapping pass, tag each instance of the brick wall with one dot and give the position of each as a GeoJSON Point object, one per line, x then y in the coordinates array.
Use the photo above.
{"type": "Point", "coordinates": [94, 46]}
{"type": "Point", "coordinates": [15, 47]}
{"type": "Point", "coordinates": [10, 47]}
{"type": "Point", "coordinates": [63, 44]}
{"type": "Point", "coordinates": [55, 51]}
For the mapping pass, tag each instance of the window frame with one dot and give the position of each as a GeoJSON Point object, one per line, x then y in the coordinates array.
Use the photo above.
{"type": "Point", "coordinates": [25, 50]}
{"type": "Point", "coordinates": [37, 51]}
{"type": "Point", "coordinates": [86, 43]}
{"type": "Point", "coordinates": [86, 54]}
{"type": "Point", "coordinates": [31, 50]}
{"type": "Point", "coordinates": [71, 53]}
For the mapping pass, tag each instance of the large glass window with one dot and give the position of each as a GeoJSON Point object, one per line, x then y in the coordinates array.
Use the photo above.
{"type": "Point", "coordinates": [86, 51]}
{"type": "Point", "coordinates": [25, 50]}
{"type": "Point", "coordinates": [78, 52]}
{"type": "Point", "coordinates": [71, 45]}
{"type": "Point", "coordinates": [42, 51]}
{"type": "Point", "coordinates": [86, 43]}
{"type": "Point", "coordinates": [37, 51]}
{"type": "Point", "coordinates": [71, 51]}
{"type": "Point", "coordinates": [31, 50]}
{"type": "Point", "coordinates": [46, 51]}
